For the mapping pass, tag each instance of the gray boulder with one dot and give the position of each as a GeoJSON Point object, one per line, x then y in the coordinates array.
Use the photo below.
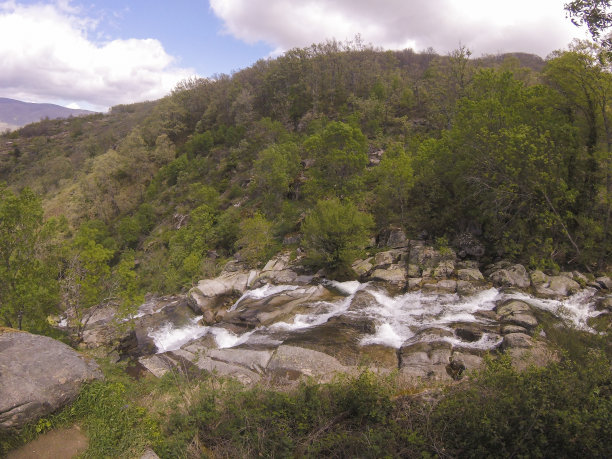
{"type": "Point", "coordinates": [38, 375]}
{"type": "Point", "coordinates": [293, 363]}
{"type": "Point", "coordinates": [511, 276]}
{"type": "Point", "coordinates": [515, 312]}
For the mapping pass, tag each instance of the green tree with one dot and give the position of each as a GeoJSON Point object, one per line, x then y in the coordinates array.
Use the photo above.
{"type": "Point", "coordinates": [256, 241]}
{"type": "Point", "coordinates": [334, 235]}
{"type": "Point", "coordinates": [27, 275]}
{"type": "Point", "coordinates": [340, 153]}
{"type": "Point", "coordinates": [595, 15]}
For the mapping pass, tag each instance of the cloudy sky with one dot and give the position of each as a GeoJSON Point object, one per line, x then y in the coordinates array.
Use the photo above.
{"type": "Point", "coordinates": [95, 54]}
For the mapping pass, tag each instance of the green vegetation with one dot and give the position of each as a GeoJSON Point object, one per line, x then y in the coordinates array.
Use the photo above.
{"type": "Point", "coordinates": [562, 410]}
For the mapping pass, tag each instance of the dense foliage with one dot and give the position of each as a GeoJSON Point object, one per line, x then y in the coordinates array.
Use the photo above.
{"type": "Point", "coordinates": [325, 148]}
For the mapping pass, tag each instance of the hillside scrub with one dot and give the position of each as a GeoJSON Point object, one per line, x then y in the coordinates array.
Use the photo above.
{"type": "Point", "coordinates": [511, 149]}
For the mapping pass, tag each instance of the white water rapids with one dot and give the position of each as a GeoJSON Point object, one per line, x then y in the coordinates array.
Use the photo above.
{"type": "Point", "coordinates": [397, 317]}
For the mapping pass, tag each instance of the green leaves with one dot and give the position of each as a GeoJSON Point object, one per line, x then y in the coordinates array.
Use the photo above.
{"type": "Point", "coordinates": [334, 234]}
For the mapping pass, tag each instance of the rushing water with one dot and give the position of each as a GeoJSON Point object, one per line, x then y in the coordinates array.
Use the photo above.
{"type": "Point", "coordinates": [397, 318]}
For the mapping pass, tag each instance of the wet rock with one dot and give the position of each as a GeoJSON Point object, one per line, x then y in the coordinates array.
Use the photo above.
{"type": "Point", "coordinates": [487, 315]}
{"type": "Point", "coordinates": [511, 276]}
{"type": "Point", "coordinates": [443, 286]}
{"type": "Point", "coordinates": [516, 312]}
{"type": "Point", "coordinates": [209, 293]}
{"type": "Point", "coordinates": [553, 286]}
{"type": "Point", "coordinates": [605, 282]}
{"type": "Point", "coordinates": [253, 312]}
{"type": "Point", "coordinates": [414, 282]}
{"type": "Point", "coordinates": [604, 304]}
{"type": "Point", "coordinates": [470, 275]}
{"type": "Point", "coordinates": [361, 300]}
{"type": "Point", "coordinates": [425, 360]}
{"type": "Point", "coordinates": [339, 337]}
{"type": "Point", "coordinates": [292, 363]}
{"type": "Point", "coordinates": [563, 285]}
{"type": "Point", "coordinates": [469, 332]}
{"type": "Point", "coordinates": [38, 376]}
{"type": "Point", "coordinates": [466, 288]}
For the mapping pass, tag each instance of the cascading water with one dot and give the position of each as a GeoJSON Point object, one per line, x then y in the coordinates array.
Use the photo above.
{"type": "Point", "coordinates": [397, 318]}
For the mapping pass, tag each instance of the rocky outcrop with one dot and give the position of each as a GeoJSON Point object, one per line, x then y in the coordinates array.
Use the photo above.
{"type": "Point", "coordinates": [38, 375]}
{"type": "Point", "coordinates": [553, 286]}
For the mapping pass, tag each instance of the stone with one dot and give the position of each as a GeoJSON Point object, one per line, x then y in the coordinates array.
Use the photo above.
{"type": "Point", "coordinates": [512, 276]}
{"type": "Point", "coordinates": [394, 274]}
{"type": "Point", "coordinates": [516, 312]}
{"type": "Point", "coordinates": [362, 267]}
{"type": "Point", "coordinates": [385, 259]}
{"type": "Point", "coordinates": [292, 363]}
{"type": "Point", "coordinates": [444, 269]}
{"type": "Point", "coordinates": [38, 376]}
{"type": "Point", "coordinates": [539, 278]}
{"type": "Point", "coordinates": [443, 286]}
{"type": "Point", "coordinates": [209, 293]}
{"type": "Point", "coordinates": [563, 285]}
{"type": "Point", "coordinates": [425, 360]}
{"type": "Point", "coordinates": [470, 275]}
{"type": "Point", "coordinates": [509, 328]}
{"type": "Point", "coordinates": [469, 246]}
{"type": "Point", "coordinates": [158, 365]}
{"type": "Point", "coordinates": [514, 340]}
{"type": "Point", "coordinates": [469, 332]}
{"type": "Point", "coordinates": [605, 282]}
{"type": "Point", "coordinates": [149, 454]}
{"type": "Point", "coordinates": [414, 270]}
{"type": "Point", "coordinates": [397, 238]}
{"type": "Point", "coordinates": [254, 360]}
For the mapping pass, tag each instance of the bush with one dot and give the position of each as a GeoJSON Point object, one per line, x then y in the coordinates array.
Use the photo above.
{"type": "Point", "coordinates": [334, 235]}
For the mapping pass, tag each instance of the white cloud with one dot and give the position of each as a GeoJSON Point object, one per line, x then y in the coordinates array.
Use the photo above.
{"type": "Point", "coordinates": [484, 26]}
{"type": "Point", "coordinates": [46, 54]}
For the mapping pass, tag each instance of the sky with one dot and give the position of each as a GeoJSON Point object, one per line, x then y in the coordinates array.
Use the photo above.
{"type": "Point", "coordinates": [95, 54]}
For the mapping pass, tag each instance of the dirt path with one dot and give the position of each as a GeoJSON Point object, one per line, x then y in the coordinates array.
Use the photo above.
{"type": "Point", "coordinates": [57, 444]}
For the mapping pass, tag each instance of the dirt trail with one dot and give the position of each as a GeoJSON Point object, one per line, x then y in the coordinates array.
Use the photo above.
{"type": "Point", "coordinates": [57, 444]}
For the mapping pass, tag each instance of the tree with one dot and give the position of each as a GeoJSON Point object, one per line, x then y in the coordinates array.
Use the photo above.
{"type": "Point", "coordinates": [595, 15]}
{"type": "Point", "coordinates": [28, 289]}
{"type": "Point", "coordinates": [334, 234]}
{"type": "Point", "coordinates": [340, 158]}
{"type": "Point", "coordinates": [256, 242]}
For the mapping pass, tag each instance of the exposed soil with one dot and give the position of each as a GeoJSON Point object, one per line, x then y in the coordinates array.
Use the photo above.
{"type": "Point", "coordinates": [56, 444]}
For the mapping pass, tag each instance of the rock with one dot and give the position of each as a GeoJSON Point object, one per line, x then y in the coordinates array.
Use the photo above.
{"type": "Point", "coordinates": [253, 312]}
{"type": "Point", "coordinates": [539, 278]}
{"type": "Point", "coordinates": [362, 267]}
{"type": "Point", "coordinates": [149, 454]}
{"type": "Point", "coordinates": [443, 286]}
{"type": "Point", "coordinates": [605, 282]}
{"type": "Point", "coordinates": [604, 304]}
{"type": "Point", "coordinates": [38, 376]}
{"type": "Point", "coordinates": [361, 300]}
{"type": "Point", "coordinates": [444, 269]}
{"type": "Point", "coordinates": [414, 270]}
{"type": "Point", "coordinates": [469, 332]}
{"type": "Point", "coordinates": [514, 340]}
{"type": "Point", "coordinates": [467, 288]}
{"type": "Point", "coordinates": [470, 275]}
{"type": "Point", "coordinates": [394, 274]}
{"type": "Point", "coordinates": [277, 271]}
{"type": "Point", "coordinates": [385, 259]}
{"type": "Point", "coordinates": [414, 282]}
{"type": "Point", "coordinates": [469, 246]}
{"type": "Point", "coordinates": [158, 364]}
{"type": "Point", "coordinates": [210, 293]}
{"type": "Point", "coordinates": [563, 285]}
{"type": "Point", "coordinates": [425, 360]}
{"type": "Point", "coordinates": [580, 278]}
{"type": "Point", "coordinates": [292, 363]}
{"type": "Point", "coordinates": [516, 312]}
{"type": "Point", "coordinates": [339, 337]}
{"type": "Point", "coordinates": [254, 360]}
{"type": "Point", "coordinates": [507, 329]}
{"type": "Point", "coordinates": [397, 239]}
{"type": "Point", "coordinates": [512, 276]}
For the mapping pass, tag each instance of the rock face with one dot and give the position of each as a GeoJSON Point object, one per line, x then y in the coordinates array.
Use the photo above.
{"type": "Point", "coordinates": [38, 375]}
{"type": "Point", "coordinates": [510, 276]}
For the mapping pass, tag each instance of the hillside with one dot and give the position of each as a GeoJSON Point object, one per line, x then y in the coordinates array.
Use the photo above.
{"type": "Point", "coordinates": [437, 229]}
{"type": "Point", "coordinates": [15, 113]}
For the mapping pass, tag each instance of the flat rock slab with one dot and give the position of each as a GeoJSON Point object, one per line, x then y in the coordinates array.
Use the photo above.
{"type": "Point", "coordinates": [38, 375]}
{"type": "Point", "coordinates": [292, 362]}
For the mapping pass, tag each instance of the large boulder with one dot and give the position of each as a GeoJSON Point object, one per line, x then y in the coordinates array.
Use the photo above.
{"type": "Point", "coordinates": [553, 286]}
{"type": "Point", "coordinates": [213, 293]}
{"type": "Point", "coordinates": [510, 276]}
{"type": "Point", "coordinates": [38, 375]}
{"type": "Point", "coordinates": [292, 363]}
{"type": "Point", "coordinates": [516, 312]}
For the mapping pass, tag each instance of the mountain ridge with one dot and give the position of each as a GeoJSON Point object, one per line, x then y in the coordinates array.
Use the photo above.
{"type": "Point", "coordinates": [16, 113]}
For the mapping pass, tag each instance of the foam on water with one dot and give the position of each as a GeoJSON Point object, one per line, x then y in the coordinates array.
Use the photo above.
{"type": "Point", "coordinates": [577, 308]}
{"type": "Point", "coordinates": [397, 318]}
{"type": "Point", "coordinates": [170, 338]}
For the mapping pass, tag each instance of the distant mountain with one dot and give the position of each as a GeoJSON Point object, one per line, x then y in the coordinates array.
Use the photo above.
{"type": "Point", "coordinates": [15, 113]}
